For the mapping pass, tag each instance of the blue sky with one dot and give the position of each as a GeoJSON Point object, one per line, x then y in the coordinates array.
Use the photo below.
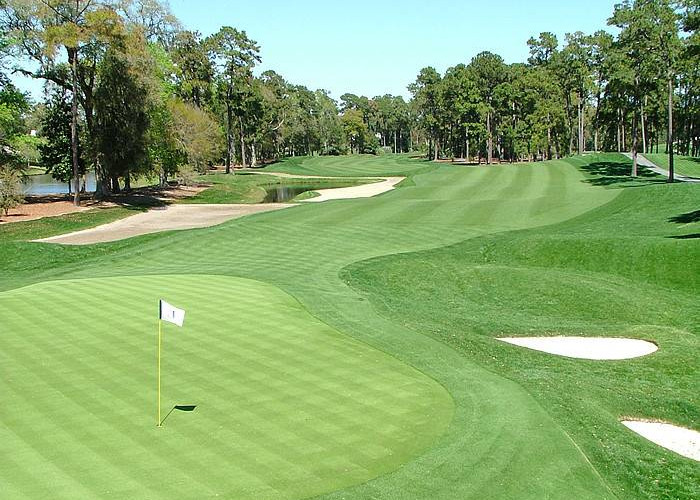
{"type": "Point", "coordinates": [378, 47]}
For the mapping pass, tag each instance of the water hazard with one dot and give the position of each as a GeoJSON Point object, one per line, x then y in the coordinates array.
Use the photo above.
{"type": "Point", "coordinates": [281, 194]}
{"type": "Point", "coordinates": [45, 184]}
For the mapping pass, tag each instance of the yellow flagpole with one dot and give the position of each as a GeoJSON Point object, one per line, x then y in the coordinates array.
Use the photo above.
{"type": "Point", "coordinates": [160, 333]}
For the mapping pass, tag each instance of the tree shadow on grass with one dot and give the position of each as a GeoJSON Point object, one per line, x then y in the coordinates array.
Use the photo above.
{"type": "Point", "coordinates": [693, 236]}
{"type": "Point", "coordinates": [608, 173]}
{"type": "Point", "coordinates": [686, 218]}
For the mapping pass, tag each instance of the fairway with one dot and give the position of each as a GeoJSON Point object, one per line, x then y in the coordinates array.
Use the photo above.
{"type": "Point", "coordinates": [390, 351]}
{"type": "Point", "coordinates": [275, 391]}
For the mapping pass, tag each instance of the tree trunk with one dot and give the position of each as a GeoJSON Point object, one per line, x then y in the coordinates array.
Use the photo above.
{"type": "Point", "coordinates": [624, 135]}
{"type": "Point", "coordinates": [581, 145]}
{"type": "Point", "coordinates": [619, 133]}
{"type": "Point", "coordinates": [229, 138]}
{"type": "Point", "coordinates": [644, 133]}
{"type": "Point", "coordinates": [396, 141]}
{"type": "Point", "coordinates": [570, 122]}
{"type": "Point", "coordinates": [73, 57]}
{"type": "Point", "coordinates": [253, 155]}
{"type": "Point", "coordinates": [127, 182]}
{"type": "Point", "coordinates": [670, 130]}
{"type": "Point", "coordinates": [436, 148]}
{"type": "Point", "coordinates": [489, 139]}
{"type": "Point", "coordinates": [595, 140]}
{"type": "Point", "coordinates": [243, 158]}
{"type": "Point", "coordinates": [634, 144]}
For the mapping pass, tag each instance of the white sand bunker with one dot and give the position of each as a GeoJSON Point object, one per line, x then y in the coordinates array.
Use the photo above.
{"type": "Point", "coordinates": [599, 348]}
{"type": "Point", "coordinates": [685, 442]}
{"type": "Point", "coordinates": [380, 186]}
{"type": "Point", "coordinates": [361, 191]}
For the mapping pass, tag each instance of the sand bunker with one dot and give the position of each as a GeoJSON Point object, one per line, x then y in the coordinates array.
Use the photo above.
{"type": "Point", "coordinates": [169, 218]}
{"type": "Point", "coordinates": [362, 191]}
{"type": "Point", "coordinates": [599, 348]}
{"type": "Point", "coordinates": [683, 441]}
{"type": "Point", "coordinates": [383, 185]}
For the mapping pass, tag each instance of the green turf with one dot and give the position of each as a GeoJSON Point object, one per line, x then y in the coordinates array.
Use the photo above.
{"type": "Point", "coordinates": [286, 406]}
{"type": "Point", "coordinates": [684, 165]}
{"type": "Point", "coordinates": [350, 166]}
{"type": "Point", "coordinates": [514, 432]}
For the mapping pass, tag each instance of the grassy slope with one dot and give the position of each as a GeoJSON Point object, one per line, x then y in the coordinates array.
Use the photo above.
{"type": "Point", "coordinates": [501, 443]}
{"type": "Point", "coordinates": [625, 269]}
{"type": "Point", "coordinates": [684, 165]}
{"type": "Point", "coordinates": [275, 389]}
{"type": "Point", "coordinates": [18, 256]}
{"type": "Point", "coordinates": [350, 166]}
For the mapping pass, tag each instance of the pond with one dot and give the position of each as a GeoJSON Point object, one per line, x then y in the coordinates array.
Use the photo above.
{"type": "Point", "coordinates": [45, 184]}
{"type": "Point", "coordinates": [282, 194]}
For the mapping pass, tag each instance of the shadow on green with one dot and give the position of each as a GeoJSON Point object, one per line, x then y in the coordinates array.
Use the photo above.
{"type": "Point", "coordinates": [183, 408]}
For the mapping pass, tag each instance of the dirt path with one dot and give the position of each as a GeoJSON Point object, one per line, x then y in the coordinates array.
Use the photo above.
{"type": "Point", "coordinates": [39, 210]}
{"type": "Point", "coordinates": [173, 217]}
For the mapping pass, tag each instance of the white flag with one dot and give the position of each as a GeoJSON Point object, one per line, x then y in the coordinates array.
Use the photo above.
{"type": "Point", "coordinates": [171, 313]}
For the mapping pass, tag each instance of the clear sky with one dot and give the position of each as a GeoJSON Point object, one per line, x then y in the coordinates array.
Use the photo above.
{"type": "Point", "coordinates": [378, 47]}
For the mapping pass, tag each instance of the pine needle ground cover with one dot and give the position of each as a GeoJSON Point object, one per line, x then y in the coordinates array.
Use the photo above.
{"type": "Point", "coordinates": [413, 284]}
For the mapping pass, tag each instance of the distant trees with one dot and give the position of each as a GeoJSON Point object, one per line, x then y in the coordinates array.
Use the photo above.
{"type": "Point", "coordinates": [56, 156]}
{"type": "Point", "coordinates": [594, 92]}
{"type": "Point", "coordinates": [131, 93]}
{"type": "Point", "coordinates": [234, 55]}
{"type": "Point", "coordinates": [82, 29]}
{"type": "Point", "coordinates": [122, 121]}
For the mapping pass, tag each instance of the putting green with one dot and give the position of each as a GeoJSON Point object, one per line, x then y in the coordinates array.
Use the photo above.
{"type": "Point", "coordinates": [286, 407]}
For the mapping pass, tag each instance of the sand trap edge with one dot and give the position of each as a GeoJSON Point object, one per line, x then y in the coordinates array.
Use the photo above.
{"type": "Point", "coordinates": [680, 440]}
{"type": "Point", "coordinates": [592, 348]}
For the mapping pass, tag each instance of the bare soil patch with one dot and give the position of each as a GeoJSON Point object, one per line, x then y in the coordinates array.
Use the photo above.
{"type": "Point", "coordinates": [38, 207]}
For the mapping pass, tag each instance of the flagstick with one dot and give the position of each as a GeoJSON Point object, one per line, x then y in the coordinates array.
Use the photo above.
{"type": "Point", "coordinates": [160, 329]}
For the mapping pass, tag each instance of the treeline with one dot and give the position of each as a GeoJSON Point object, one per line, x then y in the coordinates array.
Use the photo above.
{"type": "Point", "coordinates": [131, 93]}
{"type": "Point", "coordinates": [597, 92]}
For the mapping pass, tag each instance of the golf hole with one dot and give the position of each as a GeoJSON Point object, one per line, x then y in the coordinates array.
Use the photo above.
{"type": "Point", "coordinates": [596, 348]}
{"type": "Point", "coordinates": [685, 442]}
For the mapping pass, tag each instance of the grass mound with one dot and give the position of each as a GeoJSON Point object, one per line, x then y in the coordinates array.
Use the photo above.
{"type": "Point", "coordinates": [684, 165]}
{"type": "Point", "coordinates": [622, 270]}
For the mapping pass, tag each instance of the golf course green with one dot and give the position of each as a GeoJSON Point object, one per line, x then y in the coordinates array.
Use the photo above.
{"type": "Point", "coordinates": [347, 349]}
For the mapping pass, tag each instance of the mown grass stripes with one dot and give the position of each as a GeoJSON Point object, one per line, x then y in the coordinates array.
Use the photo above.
{"type": "Point", "coordinates": [506, 439]}
{"type": "Point", "coordinates": [276, 390]}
